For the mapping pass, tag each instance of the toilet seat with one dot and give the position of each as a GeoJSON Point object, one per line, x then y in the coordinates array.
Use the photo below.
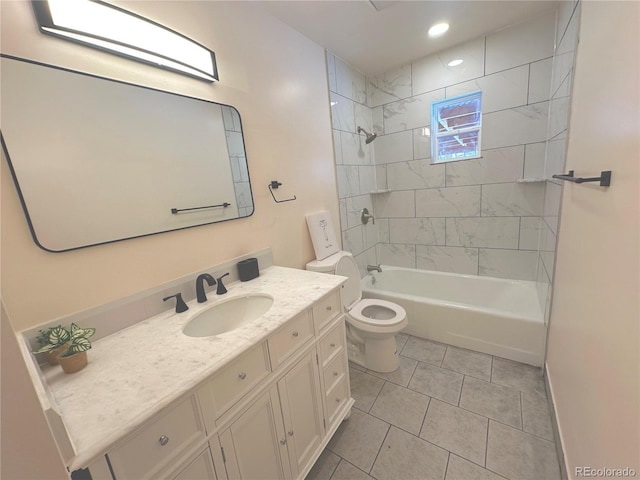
{"type": "Point", "coordinates": [399, 313]}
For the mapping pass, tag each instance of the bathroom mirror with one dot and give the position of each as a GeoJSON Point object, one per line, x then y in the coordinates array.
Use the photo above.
{"type": "Point", "coordinates": [97, 160]}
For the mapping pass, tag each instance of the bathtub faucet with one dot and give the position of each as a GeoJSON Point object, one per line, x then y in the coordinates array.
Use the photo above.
{"type": "Point", "coordinates": [371, 268]}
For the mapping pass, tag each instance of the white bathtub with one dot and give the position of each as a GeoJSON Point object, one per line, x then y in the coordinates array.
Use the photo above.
{"type": "Point", "coordinates": [491, 315]}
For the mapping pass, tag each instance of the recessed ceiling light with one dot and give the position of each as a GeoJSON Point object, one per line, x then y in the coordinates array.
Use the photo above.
{"type": "Point", "coordinates": [455, 63]}
{"type": "Point", "coordinates": [438, 29]}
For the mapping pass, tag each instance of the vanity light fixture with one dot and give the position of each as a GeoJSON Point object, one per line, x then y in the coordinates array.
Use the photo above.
{"type": "Point", "coordinates": [455, 63]}
{"type": "Point", "coordinates": [106, 27]}
{"type": "Point", "coordinates": [438, 29]}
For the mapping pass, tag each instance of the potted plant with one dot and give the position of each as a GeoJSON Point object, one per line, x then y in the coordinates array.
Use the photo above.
{"type": "Point", "coordinates": [74, 357]}
{"type": "Point", "coordinates": [53, 341]}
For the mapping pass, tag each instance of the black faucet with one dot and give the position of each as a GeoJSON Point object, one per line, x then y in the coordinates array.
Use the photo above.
{"type": "Point", "coordinates": [202, 297]}
{"type": "Point", "coordinates": [180, 305]}
{"type": "Point", "coordinates": [221, 288]}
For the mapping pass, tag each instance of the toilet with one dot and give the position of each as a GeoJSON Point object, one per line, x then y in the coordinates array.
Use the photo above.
{"type": "Point", "coordinates": [371, 323]}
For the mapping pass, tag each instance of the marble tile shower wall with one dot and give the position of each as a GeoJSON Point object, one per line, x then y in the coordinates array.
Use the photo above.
{"type": "Point", "coordinates": [567, 27]}
{"type": "Point", "coordinates": [354, 160]}
{"type": "Point", "coordinates": [470, 216]}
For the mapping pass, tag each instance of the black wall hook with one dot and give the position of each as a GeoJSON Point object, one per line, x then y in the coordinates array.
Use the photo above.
{"type": "Point", "coordinates": [274, 185]}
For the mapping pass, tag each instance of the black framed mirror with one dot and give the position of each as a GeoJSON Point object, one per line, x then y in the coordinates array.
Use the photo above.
{"type": "Point", "coordinates": [97, 160]}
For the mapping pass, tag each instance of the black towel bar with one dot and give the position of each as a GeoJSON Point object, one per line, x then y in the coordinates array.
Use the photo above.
{"type": "Point", "coordinates": [178, 210]}
{"type": "Point", "coordinates": [604, 178]}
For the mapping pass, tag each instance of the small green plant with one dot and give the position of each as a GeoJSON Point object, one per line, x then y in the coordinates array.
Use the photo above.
{"type": "Point", "coordinates": [76, 339]}
{"type": "Point", "coordinates": [79, 341]}
{"type": "Point", "coordinates": [52, 338]}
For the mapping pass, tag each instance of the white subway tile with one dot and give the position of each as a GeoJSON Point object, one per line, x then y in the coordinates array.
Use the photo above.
{"type": "Point", "coordinates": [397, 255]}
{"type": "Point", "coordinates": [353, 241]}
{"type": "Point", "coordinates": [383, 230]}
{"type": "Point", "coordinates": [506, 89]}
{"type": "Point", "coordinates": [381, 177]}
{"type": "Point", "coordinates": [395, 204]}
{"type": "Point", "coordinates": [556, 156]}
{"type": "Point", "coordinates": [447, 259]}
{"type": "Point", "coordinates": [350, 83]}
{"type": "Point", "coordinates": [516, 126]}
{"type": "Point", "coordinates": [421, 143]}
{"type": "Point", "coordinates": [512, 199]}
{"type": "Point", "coordinates": [448, 202]}
{"type": "Point", "coordinates": [530, 228]}
{"type": "Point", "coordinates": [565, 11]}
{"type": "Point", "coordinates": [337, 147]}
{"type": "Point", "coordinates": [423, 231]}
{"type": "Point", "coordinates": [569, 40]}
{"type": "Point", "coordinates": [396, 147]}
{"type": "Point", "coordinates": [377, 120]}
{"type": "Point", "coordinates": [540, 81]}
{"type": "Point", "coordinates": [534, 158]}
{"type": "Point", "coordinates": [410, 113]}
{"type": "Point", "coordinates": [348, 181]}
{"type": "Point", "coordinates": [559, 115]}
{"type": "Point", "coordinates": [364, 117]}
{"type": "Point", "coordinates": [491, 232]}
{"type": "Point", "coordinates": [416, 174]}
{"type": "Point", "coordinates": [551, 210]}
{"type": "Point", "coordinates": [432, 72]}
{"type": "Point", "coordinates": [370, 235]}
{"type": "Point", "coordinates": [344, 216]}
{"type": "Point", "coordinates": [354, 149]}
{"type": "Point", "coordinates": [390, 86]}
{"type": "Point", "coordinates": [331, 71]}
{"type": "Point", "coordinates": [367, 179]}
{"type": "Point", "coordinates": [368, 257]}
{"type": "Point", "coordinates": [562, 68]}
{"type": "Point", "coordinates": [516, 264]}
{"type": "Point", "coordinates": [496, 166]}
{"type": "Point", "coordinates": [520, 44]}
{"type": "Point", "coordinates": [354, 206]}
{"type": "Point", "coordinates": [342, 113]}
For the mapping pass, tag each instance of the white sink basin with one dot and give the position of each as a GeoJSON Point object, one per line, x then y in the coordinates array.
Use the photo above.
{"type": "Point", "coordinates": [227, 315]}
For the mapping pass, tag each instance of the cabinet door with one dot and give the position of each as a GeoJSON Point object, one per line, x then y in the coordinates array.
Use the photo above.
{"type": "Point", "coordinates": [254, 445]}
{"type": "Point", "coordinates": [301, 403]}
{"type": "Point", "coordinates": [200, 469]}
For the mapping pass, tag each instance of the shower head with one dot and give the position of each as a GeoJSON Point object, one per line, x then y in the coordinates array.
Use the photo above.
{"type": "Point", "coordinates": [370, 136]}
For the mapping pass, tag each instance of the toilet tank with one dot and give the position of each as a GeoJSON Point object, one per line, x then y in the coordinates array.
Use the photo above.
{"type": "Point", "coordinates": [342, 263]}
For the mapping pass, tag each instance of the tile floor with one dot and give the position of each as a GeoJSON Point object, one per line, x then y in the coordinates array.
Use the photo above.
{"type": "Point", "coordinates": [446, 413]}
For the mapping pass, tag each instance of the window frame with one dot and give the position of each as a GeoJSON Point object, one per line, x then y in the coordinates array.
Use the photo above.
{"type": "Point", "coordinates": [435, 135]}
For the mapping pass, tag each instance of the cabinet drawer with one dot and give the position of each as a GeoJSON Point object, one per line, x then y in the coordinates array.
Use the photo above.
{"type": "Point", "coordinates": [156, 444]}
{"type": "Point", "coordinates": [334, 371]}
{"type": "Point", "coordinates": [332, 343]}
{"type": "Point", "coordinates": [232, 381]}
{"type": "Point", "coordinates": [336, 398]}
{"type": "Point", "coordinates": [289, 337]}
{"type": "Point", "coordinates": [326, 309]}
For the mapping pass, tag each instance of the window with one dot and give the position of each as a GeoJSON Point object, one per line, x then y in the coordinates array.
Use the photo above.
{"type": "Point", "coordinates": [455, 128]}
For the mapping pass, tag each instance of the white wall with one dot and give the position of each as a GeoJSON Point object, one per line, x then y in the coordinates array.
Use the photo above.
{"type": "Point", "coordinates": [593, 345]}
{"type": "Point", "coordinates": [277, 80]}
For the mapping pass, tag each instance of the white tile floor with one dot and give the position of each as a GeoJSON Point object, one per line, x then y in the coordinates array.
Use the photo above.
{"type": "Point", "coordinates": [446, 413]}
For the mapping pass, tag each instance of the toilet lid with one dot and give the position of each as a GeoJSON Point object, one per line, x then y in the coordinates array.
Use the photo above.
{"type": "Point", "coordinates": [352, 289]}
{"type": "Point", "coordinates": [358, 312]}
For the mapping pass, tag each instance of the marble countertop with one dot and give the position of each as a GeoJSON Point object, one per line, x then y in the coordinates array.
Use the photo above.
{"type": "Point", "coordinates": [135, 372]}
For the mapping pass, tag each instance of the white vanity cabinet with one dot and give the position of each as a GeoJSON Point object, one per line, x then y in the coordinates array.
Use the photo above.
{"type": "Point", "coordinates": [267, 414]}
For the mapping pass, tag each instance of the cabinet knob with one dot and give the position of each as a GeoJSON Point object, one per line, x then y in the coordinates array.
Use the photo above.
{"type": "Point", "coordinates": [335, 374]}
{"type": "Point", "coordinates": [283, 442]}
{"type": "Point", "coordinates": [333, 345]}
{"type": "Point", "coordinates": [329, 308]}
{"type": "Point", "coordinates": [163, 440]}
{"type": "Point", "coordinates": [295, 334]}
{"type": "Point", "coordinates": [242, 375]}
{"type": "Point", "coordinates": [337, 400]}
{"type": "Point", "coordinates": [290, 432]}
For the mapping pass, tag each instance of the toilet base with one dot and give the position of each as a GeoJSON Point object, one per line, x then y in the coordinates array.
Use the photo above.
{"type": "Point", "coordinates": [378, 355]}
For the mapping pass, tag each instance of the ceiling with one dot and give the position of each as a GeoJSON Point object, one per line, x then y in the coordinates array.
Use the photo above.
{"type": "Point", "coordinates": [378, 35]}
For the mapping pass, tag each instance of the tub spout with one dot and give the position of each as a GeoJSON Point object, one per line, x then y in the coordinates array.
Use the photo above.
{"type": "Point", "coordinates": [371, 268]}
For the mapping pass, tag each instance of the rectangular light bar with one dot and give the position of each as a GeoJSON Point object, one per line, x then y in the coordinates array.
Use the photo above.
{"type": "Point", "coordinates": [106, 27]}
